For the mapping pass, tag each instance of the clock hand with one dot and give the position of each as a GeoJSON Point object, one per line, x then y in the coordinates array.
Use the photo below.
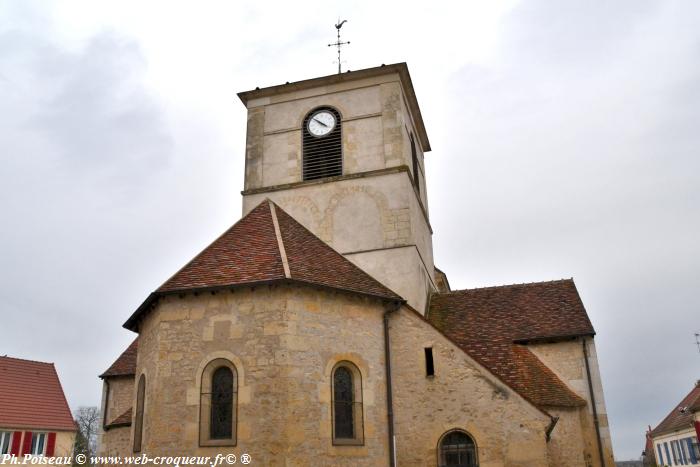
{"type": "Point", "coordinates": [319, 121]}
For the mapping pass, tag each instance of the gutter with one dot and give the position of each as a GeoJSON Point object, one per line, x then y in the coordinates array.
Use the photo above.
{"type": "Point", "coordinates": [394, 306]}
{"type": "Point", "coordinates": [595, 410]}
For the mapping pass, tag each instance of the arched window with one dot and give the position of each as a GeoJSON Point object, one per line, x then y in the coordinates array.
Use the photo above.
{"type": "Point", "coordinates": [322, 144]}
{"type": "Point", "coordinates": [347, 404]}
{"type": "Point", "coordinates": [457, 449]}
{"type": "Point", "coordinates": [217, 414]}
{"type": "Point", "coordinates": [138, 421]}
{"type": "Point", "coordinates": [221, 403]}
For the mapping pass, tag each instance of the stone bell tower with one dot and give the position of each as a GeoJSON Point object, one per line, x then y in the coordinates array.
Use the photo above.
{"type": "Point", "coordinates": [343, 154]}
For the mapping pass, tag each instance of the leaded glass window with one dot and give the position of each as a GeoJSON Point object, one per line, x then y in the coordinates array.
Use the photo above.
{"type": "Point", "coordinates": [217, 415]}
{"type": "Point", "coordinates": [346, 405]}
{"type": "Point", "coordinates": [221, 403]}
{"type": "Point", "coordinates": [457, 449]}
{"type": "Point", "coordinates": [343, 401]}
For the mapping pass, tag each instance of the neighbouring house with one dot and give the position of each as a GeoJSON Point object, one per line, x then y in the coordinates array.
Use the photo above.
{"type": "Point", "coordinates": [648, 455]}
{"type": "Point", "coordinates": [676, 439]}
{"type": "Point", "coordinates": [34, 414]}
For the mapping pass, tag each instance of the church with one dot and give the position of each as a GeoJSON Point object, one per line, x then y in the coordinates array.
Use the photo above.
{"type": "Point", "coordinates": [317, 330]}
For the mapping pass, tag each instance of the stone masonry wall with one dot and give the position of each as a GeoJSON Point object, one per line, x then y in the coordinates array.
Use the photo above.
{"type": "Point", "coordinates": [568, 444]}
{"type": "Point", "coordinates": [361, 216]}
{"type": "Point", "coordinates": [284, 342]}
{"type": "Point", "coordinates": [117, 442]}
{"type": "Point", "coordinates": [121, 397]}
{"type": "Point", "coordinates": [566, 360]}
{"type": "Point", "coordinates": [508, 431]}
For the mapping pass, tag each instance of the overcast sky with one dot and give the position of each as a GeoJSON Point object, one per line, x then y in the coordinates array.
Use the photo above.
{"type": "Point", "coordinates": [565, 143]}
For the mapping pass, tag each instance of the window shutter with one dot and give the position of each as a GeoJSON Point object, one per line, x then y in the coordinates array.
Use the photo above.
{"type": "Point", "coordinates": [50, 444]}
{"type": "Point", "coordinates": [27, 444]}
{"type": "Point", "coordinates": [681, 448]}
{"type": "Point", "coordinates": [16, 440]}
{"type": "Point", "coordinates": [691, 452]}
{"type": "Point", "coordinates": [681, 452]}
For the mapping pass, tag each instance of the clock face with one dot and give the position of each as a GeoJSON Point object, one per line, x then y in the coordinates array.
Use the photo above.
{"type": "Point", "coordinates": [321, 123]}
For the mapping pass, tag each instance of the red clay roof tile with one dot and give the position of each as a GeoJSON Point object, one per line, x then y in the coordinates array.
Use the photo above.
{"type": "Point", "coordinates": [125, 365]}
{"type": "Point", "coordinates": [31, 396]}
{"type": "Point", "coordinates": [122, 420]}
{"type": "Point", "coordinates": [490, 323]}
{"type": "Point", "coordinates": [250, 252]}
{"type": "Point", "coordinates": [681, 416]}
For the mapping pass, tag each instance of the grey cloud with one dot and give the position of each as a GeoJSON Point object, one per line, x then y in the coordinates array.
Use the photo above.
{"type": "Point", "coordinates": [577, 156]}
{"type": "Point", "coordinates": [81, 138]}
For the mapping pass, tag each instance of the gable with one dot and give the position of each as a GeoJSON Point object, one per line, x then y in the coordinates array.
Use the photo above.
{"type": "Point", "coordinates": [31, 396]}
{"type": "Point", "coordinates": [462, 394]}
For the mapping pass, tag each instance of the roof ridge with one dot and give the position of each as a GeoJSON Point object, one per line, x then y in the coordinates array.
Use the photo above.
{"type": "Point", "coordinates": [280, 241]}
{"type": "Point", "coordinates": [520, 284]}
{"type": "Point", "coordinates": [203, 250]}
{"type": "Point", "coordinates": [27, 360]}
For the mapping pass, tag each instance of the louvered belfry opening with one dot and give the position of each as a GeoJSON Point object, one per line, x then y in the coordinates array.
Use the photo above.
{"type": "Point", "coordinates": [322, 156]}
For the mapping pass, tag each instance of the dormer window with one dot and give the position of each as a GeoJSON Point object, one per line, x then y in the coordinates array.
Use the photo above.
{"type": "Point", "coordinates": [322, 145]}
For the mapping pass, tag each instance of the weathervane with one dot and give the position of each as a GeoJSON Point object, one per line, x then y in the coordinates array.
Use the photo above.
{"type": "Point", "coordinates": [697, 340]}
{"type": "Point", "coordinates": [338, 43]}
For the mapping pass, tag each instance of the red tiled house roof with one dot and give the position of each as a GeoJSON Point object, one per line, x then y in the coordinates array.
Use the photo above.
{"type": "Point", "coordinates": [125, 365]}
{"type": "Point", "coordinates": [31, 396]}
{"type": "Point", "coordinates": [122, 420]}
{"type": "Point", "coordinates": [681, 417]}
{"type": "Point", "coordinates": [267, 245]}
{"type": "Point", "coordinates": [492, 324]}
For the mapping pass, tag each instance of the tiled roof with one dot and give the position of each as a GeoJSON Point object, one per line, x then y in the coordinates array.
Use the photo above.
{"type": "Point", "coordinates": [31, 396]}
{"type": "Point", "coordinates": [491, 324]}
{"type": "Point", "coordinates": [256, 250]}
{"type": "Point", "coordinates": [125, 365]}
{"type": "Point", "coordinates": [122, 420]}
{"type": "Point", "coordinates": [681, 416]}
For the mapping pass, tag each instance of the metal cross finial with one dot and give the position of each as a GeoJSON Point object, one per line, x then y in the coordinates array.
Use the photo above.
{"type": "Point", "coordinates": [338, 43]}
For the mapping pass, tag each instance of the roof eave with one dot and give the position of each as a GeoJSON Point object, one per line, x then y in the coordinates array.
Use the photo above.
{"type": "Point", "coordinates": [104, 375]}
{"type": "Point", "coordinates": [401, 68]}
{"type": "Point", "coordinates": [116, 425]}
{"type": "Point", "coordinates": [132, 322]}
{"type": "Point", "coordinates": [553, 338]}
{"type": "Point", "coordinates": [669, 431]}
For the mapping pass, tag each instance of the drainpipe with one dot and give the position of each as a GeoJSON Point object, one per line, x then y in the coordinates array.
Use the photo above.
{"type": "Point", "coordinates": [552, 423]}
{"type": "Point", "coordinates": [595, 410]}
{"type": "Point", "coordinates": [104, 409]}
{"type": "Point", "coordinates": [389, 401]}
